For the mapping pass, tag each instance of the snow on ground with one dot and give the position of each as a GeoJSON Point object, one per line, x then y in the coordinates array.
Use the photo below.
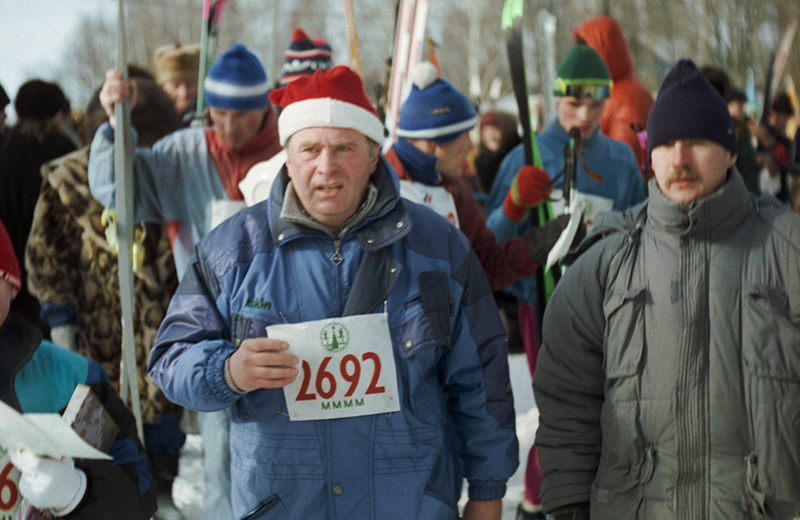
{"type": "Point", "coordinates": [189, 487]}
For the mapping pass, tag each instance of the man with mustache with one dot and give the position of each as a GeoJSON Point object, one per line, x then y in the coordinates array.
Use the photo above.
{"type": "Point", "coordinates": [667, 381]}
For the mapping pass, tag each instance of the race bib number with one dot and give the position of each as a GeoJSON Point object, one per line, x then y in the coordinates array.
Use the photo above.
{"type": "Point", "coordinates": [589, 205]}
{"type": "Point", "coordinates": [9, 487]}
{"type": "Point", "coordinates": [435, 197]}
{"type": "Point", "coordinates": [346, 367]}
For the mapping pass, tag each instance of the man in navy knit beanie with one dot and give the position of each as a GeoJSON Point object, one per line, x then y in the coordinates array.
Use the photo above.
{"type": "Point", "coordinates": [663, 381]}
{"type": "Point", "coordinates": [688, 109]}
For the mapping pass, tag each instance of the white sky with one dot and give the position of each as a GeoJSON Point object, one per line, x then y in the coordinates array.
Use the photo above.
{"type": "Point", "coordinates": [34, 35]}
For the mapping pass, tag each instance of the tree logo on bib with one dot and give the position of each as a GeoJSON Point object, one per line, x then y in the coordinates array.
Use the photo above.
{"type": "Point", "coordinates": [334, 337]}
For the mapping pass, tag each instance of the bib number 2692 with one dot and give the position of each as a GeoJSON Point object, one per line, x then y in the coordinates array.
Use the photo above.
{"type": "Point", "coordinates": [325, 382]}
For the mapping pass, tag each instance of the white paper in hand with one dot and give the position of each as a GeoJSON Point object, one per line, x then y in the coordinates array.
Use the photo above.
{"type": "Point", "coordinates": [44, 434]}
{"type": "Point", "coordinates": [582, 206]}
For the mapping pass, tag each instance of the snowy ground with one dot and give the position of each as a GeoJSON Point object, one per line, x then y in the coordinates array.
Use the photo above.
{"type": "Point", "coordinates": [188, 489]}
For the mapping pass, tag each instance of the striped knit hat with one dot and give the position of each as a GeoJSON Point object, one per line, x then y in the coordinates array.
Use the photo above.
{"type": "Point", "coordinates": [304, 56]}
{"type": "Point", "coordinates": [237, 81]}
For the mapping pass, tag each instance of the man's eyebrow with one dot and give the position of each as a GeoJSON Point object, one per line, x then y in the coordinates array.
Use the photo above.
{"type": "Point", "coordinates": [335, 144]}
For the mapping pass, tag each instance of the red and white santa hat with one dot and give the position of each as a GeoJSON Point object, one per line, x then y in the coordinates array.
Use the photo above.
{"type": "Point", "coordinates": [330, 98]}
{"type": "Point", "coordinates": [9, 267]}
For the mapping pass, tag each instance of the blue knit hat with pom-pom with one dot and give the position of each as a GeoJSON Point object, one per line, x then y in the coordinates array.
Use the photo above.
{"type": "Point", "coordinates": [237, 81]}
{"type": "Point", "coordinates": [434, 110]}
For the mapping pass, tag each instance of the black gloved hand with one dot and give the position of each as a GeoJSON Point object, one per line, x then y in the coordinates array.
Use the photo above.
{"type": "Point", "coordinates": [540, 240]}
{"type": "Point", "coordinates": [571, 512]}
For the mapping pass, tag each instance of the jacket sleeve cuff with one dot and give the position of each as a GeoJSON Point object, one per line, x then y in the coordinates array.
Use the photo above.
{"type": "Point", "coordinates": [56, 314]}
{"type": "Point", "coordinates": [229, 379]}
{"type": "Point", "coordinates": [108, 132]}
{"type": "Point", "coordinates": [487, 493]}
{"type": "Point", "coordinates": [215, 369]}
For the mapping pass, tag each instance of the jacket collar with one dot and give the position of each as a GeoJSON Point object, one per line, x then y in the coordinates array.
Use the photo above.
{"type": "Point", "coordinates": [380, 224]}
{"type": "Point", "coordinates": [293, 211]}
{"type": "Point", "coordinates": [420, 166]}
{"type": "Point", "coordinates": [717, 214]}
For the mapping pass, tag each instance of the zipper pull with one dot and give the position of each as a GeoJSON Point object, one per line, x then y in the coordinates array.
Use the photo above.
{"type": "Point", "coordinates": [337, 256]}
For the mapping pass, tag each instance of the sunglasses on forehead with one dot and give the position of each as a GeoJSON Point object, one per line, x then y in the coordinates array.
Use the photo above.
{"type": "Point", "coordinates": [582, 90]}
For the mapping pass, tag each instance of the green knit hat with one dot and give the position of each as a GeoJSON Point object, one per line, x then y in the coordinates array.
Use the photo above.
{"type": "Point", "coordinates": [583, 74]}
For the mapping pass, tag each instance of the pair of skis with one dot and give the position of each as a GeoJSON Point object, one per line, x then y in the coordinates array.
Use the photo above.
{"type": "Point", "coordinates": [209, 34]}
{"type": "Point", "coordinates": [511, 23]}
{"type": "Point", "coordinates": [409, 40]}
{"type": "Point", "coordinates": [775, 68]}
{"type": "Point", "coordinates": [123, 178]}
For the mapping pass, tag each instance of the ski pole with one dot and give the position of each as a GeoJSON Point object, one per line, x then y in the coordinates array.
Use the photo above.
{"type": "Point", "coordinates": [123, 178]}
{"type": "Point", "coordinates": [209, 31]}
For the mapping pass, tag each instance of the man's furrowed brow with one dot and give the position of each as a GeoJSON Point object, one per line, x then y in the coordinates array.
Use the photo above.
{"type": "Point", "coordinates": [315, 143]}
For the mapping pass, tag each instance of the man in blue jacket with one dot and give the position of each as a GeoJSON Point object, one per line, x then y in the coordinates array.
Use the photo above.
{"type": "Point", "coordinates": [381, 379]}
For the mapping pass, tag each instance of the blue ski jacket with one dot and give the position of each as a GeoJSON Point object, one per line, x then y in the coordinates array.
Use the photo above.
{"type": "Point", "coordinates": [456, 418]}
{"type": "Point", "coordinates": [613, 160]}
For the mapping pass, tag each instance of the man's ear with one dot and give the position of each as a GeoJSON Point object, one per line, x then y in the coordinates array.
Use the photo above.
{"type": "Point", "coordinates": [373, 160]}
{"type": "Point", "coordinates": [732, 160]}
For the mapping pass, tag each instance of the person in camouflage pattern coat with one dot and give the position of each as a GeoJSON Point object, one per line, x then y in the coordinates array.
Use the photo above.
{"type": "Point", "coordinates": [72, 264]}
{"type": "Point", "coordinates": [74, 273]}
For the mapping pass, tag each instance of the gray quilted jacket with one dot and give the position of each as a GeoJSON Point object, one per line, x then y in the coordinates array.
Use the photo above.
{"type": "Point", "coordinates": [669, 377]}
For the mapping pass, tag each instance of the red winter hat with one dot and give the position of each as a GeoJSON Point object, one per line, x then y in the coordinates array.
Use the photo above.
{"type": "Point", "coordinates": [330, 98]}
{"type": "Point", "coordinates": [9, 267]}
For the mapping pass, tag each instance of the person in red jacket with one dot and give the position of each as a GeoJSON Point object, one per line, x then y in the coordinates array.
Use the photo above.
{"type": "Point", "coordinates": [429, 157]}
{"type": "Point", "coordinates": [626, 111]}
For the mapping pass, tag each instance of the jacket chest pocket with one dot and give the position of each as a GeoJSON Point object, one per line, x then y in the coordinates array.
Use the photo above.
{"type": "Point", "coordinates": [624, 334]}
{"type": "Point", "coordinates": [243, 327]}
{"type": "Point", "coordinates": [770, 334]}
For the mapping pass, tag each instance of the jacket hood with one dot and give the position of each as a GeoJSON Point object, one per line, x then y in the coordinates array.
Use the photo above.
{"type": "Point", "coordinates": [604, 35]}
{"type": "Point", "coordinates": [18, 342]}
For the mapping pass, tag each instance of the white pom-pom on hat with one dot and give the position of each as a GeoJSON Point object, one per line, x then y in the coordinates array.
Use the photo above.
{"type": "Point", "coordinates": [423, 75]}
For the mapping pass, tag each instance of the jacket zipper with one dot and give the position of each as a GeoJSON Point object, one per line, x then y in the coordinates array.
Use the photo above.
{"type": "Point", "coordinates": [337, 255]}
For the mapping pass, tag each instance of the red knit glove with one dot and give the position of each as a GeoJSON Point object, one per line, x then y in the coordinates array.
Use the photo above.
{"type": "Point", "coordinates": [527, 191]}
